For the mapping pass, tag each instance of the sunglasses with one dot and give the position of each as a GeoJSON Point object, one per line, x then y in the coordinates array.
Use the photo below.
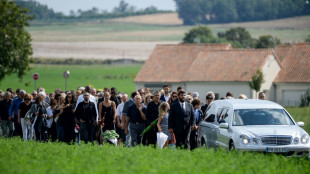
{"type": "Point", "coordinates": [34, 94]}
{"type": "Point", "coordinates": [27, 99]}
{"type": "Point", "coordinates": [174, 96]}
{"type": "Point", "coordinates": [69, 96]}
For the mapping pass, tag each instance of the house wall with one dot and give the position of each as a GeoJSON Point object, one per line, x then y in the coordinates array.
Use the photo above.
{"type": "Point", "coordinates": [159, 86]}
{"type": "Point", "coordinates": [270, 69]}
{"type": "Point", "coordinates": [220, 88]}
{"type": "Point", "coordinates": [288, 94]}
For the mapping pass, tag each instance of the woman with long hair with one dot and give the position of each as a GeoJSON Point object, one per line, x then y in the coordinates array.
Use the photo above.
{"type": "Point", "coordinates": [24, 107]}
{"type": "Point", "coordinates": [39, 111]}
{"type": "Point", "coordinates": [67, 118]}
{"type": "Point", "coordinates": [173, 97]}
{"type": "Point", "coordinates": [162, 123]}
{"type": "Point", "coordinates": [107, 112]}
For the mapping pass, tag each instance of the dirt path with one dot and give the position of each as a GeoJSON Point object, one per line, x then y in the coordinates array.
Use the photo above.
{"type": "Point", "coordinates": [95, 50]}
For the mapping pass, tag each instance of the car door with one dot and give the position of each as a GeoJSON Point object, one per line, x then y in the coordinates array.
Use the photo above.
{"type": "Point", "coordinates": [224, 135]}
{"type": "Point", "coordinates": [207, 125]}
{"type": "Point", "coordinates": [213, 128]}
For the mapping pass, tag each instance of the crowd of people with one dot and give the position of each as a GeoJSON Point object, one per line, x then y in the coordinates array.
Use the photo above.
{"type": "Point", "coordinates": [83, 115]}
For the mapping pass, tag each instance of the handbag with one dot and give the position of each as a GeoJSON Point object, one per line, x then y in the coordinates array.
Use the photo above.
{"type": "Point", "coordinates": [173, 141]}
{"type": "Point", "coordinates": [161, 139]}
{"type": "Point", "coordinates": [28, 117]}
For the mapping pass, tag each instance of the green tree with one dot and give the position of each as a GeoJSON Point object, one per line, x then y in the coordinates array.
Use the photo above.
{"type": "Point", "coordinates": [15, 47]}
{"type": "Point", "coordinates": [239, 37]}
{"type": "Point", "coordinates": [267, 41]}
{"type": "Point", "coordinates": [199, 34]}
{"type": "Point", "coordinates": [225, 11]}
{"type": "Point", "coordinates": [307, 39]}
{"type": "Point", "coordinates": [257, 81]}
{"type": "Point", "coordinates": [305, 99]}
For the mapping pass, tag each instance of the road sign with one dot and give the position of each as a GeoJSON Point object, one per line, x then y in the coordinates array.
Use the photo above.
{"type": "Point", "coordinates": [35, 76]}
{"type": "Point", "coordinates": [66, 74]}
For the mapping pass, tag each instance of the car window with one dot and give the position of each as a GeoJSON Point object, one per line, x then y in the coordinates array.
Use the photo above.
{"type": "Point", "coordinates": [221, 112]}
{"type": "Point", "coordinates": [261, 117]}
{"type": "Point", "coordinates": [225, 117]}
{"type": "Point", "coordinates": [210, 111]}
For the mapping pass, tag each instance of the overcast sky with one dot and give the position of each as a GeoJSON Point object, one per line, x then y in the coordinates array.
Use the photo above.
{"type": "Point", "coordinates": [66, 5]}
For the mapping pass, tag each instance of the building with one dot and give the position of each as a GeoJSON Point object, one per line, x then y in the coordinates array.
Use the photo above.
{"type": "Point", "coordinates": [219, 68]}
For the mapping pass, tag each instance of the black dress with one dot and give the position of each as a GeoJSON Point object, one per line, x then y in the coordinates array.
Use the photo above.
{"type": "Point", "coordinates": [68, 123]}
{"type": "Point", "coordinates": [108, 115]}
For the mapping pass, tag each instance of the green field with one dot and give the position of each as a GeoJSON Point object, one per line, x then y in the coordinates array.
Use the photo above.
{"type": "Point", "coordinates": [99, 76]}
{"type": "Point", "coordinates": [17, 156]}
{"type": "Point", "coordinates": [301, 114]}
{"type": "Point", "coordinates": [148, 28]}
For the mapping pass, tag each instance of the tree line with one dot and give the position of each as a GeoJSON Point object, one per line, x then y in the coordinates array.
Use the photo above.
{"type": "Point", "coordinates": [224, 11]}
{"type": "Point", "coordinates": [43, 12]}
{"type": "Point", "coordinates": [238, 37]}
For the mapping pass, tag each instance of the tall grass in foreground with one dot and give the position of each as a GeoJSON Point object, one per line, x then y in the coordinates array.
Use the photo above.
{"type": "Point", "coordinates": [17, 156]}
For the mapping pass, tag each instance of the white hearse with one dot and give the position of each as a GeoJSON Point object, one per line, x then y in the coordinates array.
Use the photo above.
{"type": "Point", "coordinates": [252, 125]}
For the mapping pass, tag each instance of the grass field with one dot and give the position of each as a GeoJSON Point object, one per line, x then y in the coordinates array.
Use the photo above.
{"type": "Point", "coordinates": [99, 76]}
{"type": "Point", "coordinates": [17, 156]}
{"type": "Point", "coordinates": [301, 114]}
{"type": "Point", "coordinates": [160, 27]}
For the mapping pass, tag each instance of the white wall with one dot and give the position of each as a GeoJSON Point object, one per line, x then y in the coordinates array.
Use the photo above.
{"type": "Point", "coordinates": [270, 70]}
{"type": "Point", "coordinates": [221, 88]}
{"type": "Point", "coordinates": [159, 86]}
{"type": "Point", "coordinates": [288, 94]}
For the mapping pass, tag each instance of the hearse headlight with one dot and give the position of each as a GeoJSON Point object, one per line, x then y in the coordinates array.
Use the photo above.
{"type": "Point", "coordinates": [245, 139]}
{"type": "Point", "coordinates": [255, 141]}
{"type": "Point", "coordinates": [296, 140]}
{"type": "Point", "coordinates": [304, 139]}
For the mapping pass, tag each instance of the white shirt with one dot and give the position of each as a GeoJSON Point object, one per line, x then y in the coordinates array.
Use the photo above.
{"type": "Point", "coordinates": [167, 97]}
{"type": "Point", "coordinates": [49, 113]}
{"type": "Point", "coordinates": [91, 99]}
{"type": "Point", "coordinates": [183, 106]}
{"type": "Point", "coordinates": [119, 110]}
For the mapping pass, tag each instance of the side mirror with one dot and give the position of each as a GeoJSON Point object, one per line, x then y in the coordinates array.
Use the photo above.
{"type": "Point", "coordinates": [301, 124]}
{"type": "Point", "coordinates": [224, 125]}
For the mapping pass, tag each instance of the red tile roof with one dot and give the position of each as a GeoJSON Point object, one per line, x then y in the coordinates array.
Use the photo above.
{"type": "Point", "coordinates": [229, 65]}
{"type": "Point", "coordinates": [296, 65]}
{"type": "Point", "coordinates": [281, 51]}
{"type": "Point", "coordinates": [169, 63]}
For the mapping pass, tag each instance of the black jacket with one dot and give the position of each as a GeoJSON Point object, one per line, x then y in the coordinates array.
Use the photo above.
{"type": "Point", "coordinates": [89, 115]}
{"type": "Point", "coordinates": [178, 120]}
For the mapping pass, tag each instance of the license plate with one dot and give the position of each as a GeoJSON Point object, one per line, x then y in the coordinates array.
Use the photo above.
{"type": "Point", "coordinates": [276, 149]}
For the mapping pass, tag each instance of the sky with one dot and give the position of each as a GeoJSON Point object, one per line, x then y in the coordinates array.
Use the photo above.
{"type": "Point", "coordinates": [66, 5]}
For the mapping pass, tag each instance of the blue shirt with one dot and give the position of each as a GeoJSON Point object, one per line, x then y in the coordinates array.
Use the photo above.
{"type": "Point", "coordinates": [134, 114]}
{"type": "Point", "coordinates": [14, 107]}
{"type": "Point", "coordinates": [197, 114]}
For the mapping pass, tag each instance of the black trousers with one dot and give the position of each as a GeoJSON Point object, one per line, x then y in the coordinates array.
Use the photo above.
{"type": "Point", "coordinates": [193, 140]}
{"type": "Point", "coordinates": [150, 137]}
{"type": "Point", "coordinates": [87, 132]}
{"type": "Point", "coordinates": [182, 139]}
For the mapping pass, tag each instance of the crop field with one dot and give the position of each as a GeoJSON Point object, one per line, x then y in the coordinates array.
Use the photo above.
{"type": "Point", "coordinates": [159, 27]}
{"type": "Point", "coordinates": [99, 76]}
{"type": "Point", "coordinates": [17, 156]}
{"type": "Point", "coordinates": [135, 37]}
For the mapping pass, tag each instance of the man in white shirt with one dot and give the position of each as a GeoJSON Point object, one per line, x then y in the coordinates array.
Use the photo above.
{"type": "Point", "coordinates": [91, 99]}
{"type": "Point", "coordinates": [119, 110]}
{"type": "Point", "coordinates": [165, 97]}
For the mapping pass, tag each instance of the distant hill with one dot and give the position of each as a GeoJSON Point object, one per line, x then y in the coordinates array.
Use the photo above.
{"type": "Point", "coordinates": [293, 23]}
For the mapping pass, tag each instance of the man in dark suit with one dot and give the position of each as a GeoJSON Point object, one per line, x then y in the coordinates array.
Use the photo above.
{"type": "Point", "coordinates": [181, 120]}
{"type": "Point", "coordinates": [86, 115]}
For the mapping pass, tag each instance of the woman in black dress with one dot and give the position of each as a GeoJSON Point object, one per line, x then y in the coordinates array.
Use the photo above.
{"type": "Point", "coordinates": [67, 118]}
{"type": "Point", "coordinates": [107, 112]}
